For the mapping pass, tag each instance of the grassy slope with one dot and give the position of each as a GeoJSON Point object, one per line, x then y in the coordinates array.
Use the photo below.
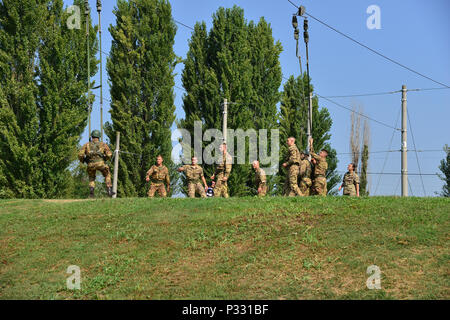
{"type": "Point", "coordinates": [247, 248]}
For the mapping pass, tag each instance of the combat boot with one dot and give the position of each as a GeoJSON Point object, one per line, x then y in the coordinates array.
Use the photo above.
{"type": "Point", "coordinates": [91, 192]}
{"type": "Point", "coordinates": [110, 192]}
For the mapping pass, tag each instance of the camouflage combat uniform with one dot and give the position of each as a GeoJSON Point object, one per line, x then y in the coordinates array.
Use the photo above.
{"type": "Point", "coordinates": [223, 170]}
{"type": "Point", "coordinates": [95, 154]}
{"type": "Point", "coordinates": [320, 170]}
{"type": "Point", "coordinates": [293, 161]}
{"type": "Point", "coordinates": [305, 176]}
{"type": "Point", "coordinates": [194, 175]}
{"type": "Point", "coordinates": [260, 180]}
{"type": "Point", "coordinates": [349, 183]}
{"type": "Point", "coordinates": [158, 175]}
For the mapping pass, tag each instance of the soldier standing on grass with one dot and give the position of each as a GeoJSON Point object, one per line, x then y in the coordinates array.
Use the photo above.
{"type": "Point", "coordinates": [350, 183]}
{"type": "Point", "coordinates": [158, 174]}
{"type": "Point", "coordinates": [320, 170]}
{"type": "Point", "coordinates": [305, 174]}
{"type": "Point", "coordinates": [222, 173]}
{"type": "Point", "coordinates": [260, 179]}
{"type": "Point", "coordinates": [194, 173]}
{"type": "Point", "coordinates": [94, 154]}
{"type": "Point", "coordinates": [292, 165]}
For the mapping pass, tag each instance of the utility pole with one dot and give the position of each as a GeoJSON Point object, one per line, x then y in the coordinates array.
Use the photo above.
{"type": "Point", "coordinates": [225, 119]}
{"type": "Point", "coordinates": [86, 12]}
{"type": "Point", "coordinates": [306, 38]}
{"type": "Point", "coordinates": [301, 12]}
{"type": "Point", "coordinates": [309, 123]}
{"type": "Point", "coordinates": [99, 10]}
{"type": "Point", "coordinates": [404, 145]}
{"type": "Point", "coordinates": [116, 165]}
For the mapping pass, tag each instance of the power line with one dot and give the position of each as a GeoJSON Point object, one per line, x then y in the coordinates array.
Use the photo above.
{"type": "Point", "coordinates": [184, 25]}
{"type": "Point", "coordinates": [364, 94]}
{"type": "Point", "coordinates": [417, 156]}
{"type": "Point", "coordinates": [387, 155]}
{"type": "Point", "coordinates": [361, 114]}
{"type": "Point", "coordinates": [398, 173]}
{"type": "Point", "coordinates": [372, 50]}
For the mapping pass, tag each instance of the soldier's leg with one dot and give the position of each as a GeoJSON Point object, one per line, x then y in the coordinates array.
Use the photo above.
{"type": "Point", "coordinates": [293, 175]}
{"type": "Point", "coordinates": [151, 191]}
{"type": "Point", "coordinates": [162, 191]}
{"type": "Point", "coordinates": [191, 190]}
{"type": "Point", "coordinates": [320, 186]}
{"type": "Point", "coordinates": [303, 187]}
{"type": "Point", "coordinates": [91, 171]}
{"type": "Point", "coordinates": [263, 192]}
{"type": "Point", "coordinates": [225, 190]}
{"type": "Point", "coordinates": [200, 190]}
{"type": "Point", "coordinates": [218, 189]}
{"type": "Point", "coordinates": [107, 174]}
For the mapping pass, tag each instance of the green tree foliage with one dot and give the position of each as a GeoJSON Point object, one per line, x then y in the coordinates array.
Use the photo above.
{"type": "Point", "coordinates": [363, 189]}
{"type": "Point", "coordinates": [42, 96]}
{"type": "Point", "coordinates": [140, 69]}
{"type": "Point", "coordinates": [445, 169]}
{"type": "Point", "coordinates": [293, 122]}
{"type": "Point", "coordinates": [238, 61]}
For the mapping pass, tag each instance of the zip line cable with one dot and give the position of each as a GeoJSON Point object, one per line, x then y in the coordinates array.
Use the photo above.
{"type": "Point", "coordinates": [387, 154]}
{"type": "Point", "coordinates": [417, 156]}
{"type": "Point", "coordinates": [361, 114]}
{"type": "Point", "coordinates": [370, 49]}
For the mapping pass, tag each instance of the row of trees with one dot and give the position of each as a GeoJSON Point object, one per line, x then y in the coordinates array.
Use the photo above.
{"type": "Point", "coordinates": [43, 101]}
{"type": "Point", "coordinates": [43, 93]}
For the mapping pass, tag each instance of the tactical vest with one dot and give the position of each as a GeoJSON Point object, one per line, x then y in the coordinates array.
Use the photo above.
{"type": "Point", "coordinates": [94, 152]}
{"type": "Point", "coordinates": [158, 174]}
{"type": "Point", "coordinates": [193, 173]}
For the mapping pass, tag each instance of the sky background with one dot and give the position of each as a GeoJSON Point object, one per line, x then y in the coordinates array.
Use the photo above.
{"type": "Point", "coordinates": [414, 33]}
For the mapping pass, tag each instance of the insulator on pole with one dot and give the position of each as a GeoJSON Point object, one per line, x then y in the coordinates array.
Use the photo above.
{"type": "Point", "coordinates": [294, 22]}
{"type": "Point", "coordinates": [296, 34]}
{"type": "Point", "coordinates": [87, 8]}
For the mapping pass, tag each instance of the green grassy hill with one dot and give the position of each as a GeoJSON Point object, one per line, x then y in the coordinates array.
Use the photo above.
{"type": "Point", "coordinates": [238, 248]}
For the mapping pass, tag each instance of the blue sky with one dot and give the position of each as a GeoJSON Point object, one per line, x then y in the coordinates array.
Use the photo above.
{"type": "Point", "coordinates": [414, 33]}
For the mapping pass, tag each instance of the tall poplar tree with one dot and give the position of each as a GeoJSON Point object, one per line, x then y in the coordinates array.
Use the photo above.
{"type": "Point", "coordinates": [43, 109]}
{"type": "Point", "coordinates": [293, 122]}
{"type": "Point", "coordinates": [140, 69]}
{"type": "Point", "coordinates": [62, 96]}
{"type": "Point", "coordinates": [238, 61]}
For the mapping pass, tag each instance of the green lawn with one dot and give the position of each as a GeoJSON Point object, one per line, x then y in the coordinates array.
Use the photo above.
{"type": "Point", "coordinates": [237, 248]}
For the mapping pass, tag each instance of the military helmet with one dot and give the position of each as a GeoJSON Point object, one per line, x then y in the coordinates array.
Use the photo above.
{"type": "Point", "coordinates": [95, 134]}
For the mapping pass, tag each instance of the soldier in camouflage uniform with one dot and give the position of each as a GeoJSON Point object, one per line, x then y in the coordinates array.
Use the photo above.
{"type": "Point", "coordinates": [292, 164]}
{"type": "Point", "coordinates": [260, 179]}
{"type": "Point", "coordinates": [320, 170]}
{"type": "Point", "coordinates": [158, 174]}
{"type": "Point", "coordinates": [350, 183]}
{"type": "Point", "coordinates": [194, 173]}
{"type": "Point", "coordinates": [222, 173]}
{"type": "Point", "coordinates": [305, 174]}
{"type": "Point", "coordinates": [94, 154]}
